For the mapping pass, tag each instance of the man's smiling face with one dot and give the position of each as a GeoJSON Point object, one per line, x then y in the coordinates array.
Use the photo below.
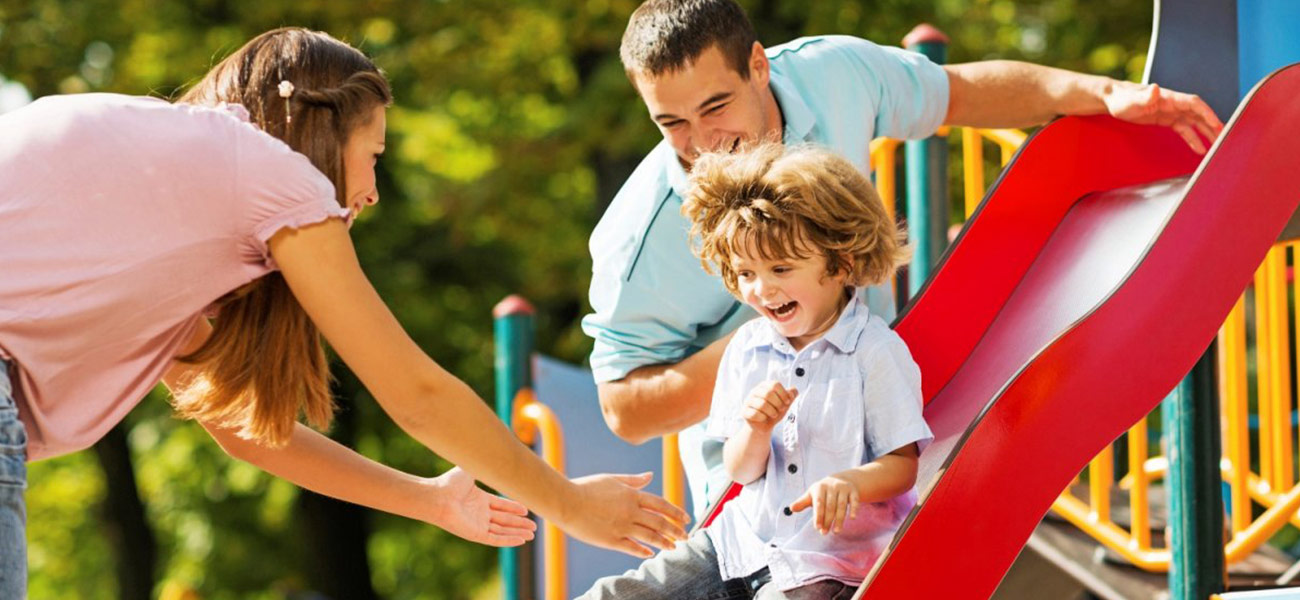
{"type": "Point", "coordinates": [706, 105]}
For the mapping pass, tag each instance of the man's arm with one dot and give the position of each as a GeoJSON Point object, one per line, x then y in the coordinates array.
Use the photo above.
{"type": "Point", "coordinates": [1002, 93]}
{"type": "Point", "coordinates": [657, 400]}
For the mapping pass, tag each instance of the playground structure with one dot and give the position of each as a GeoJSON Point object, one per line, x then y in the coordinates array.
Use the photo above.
{"type": "Point", "coordinates": [1088, 281]}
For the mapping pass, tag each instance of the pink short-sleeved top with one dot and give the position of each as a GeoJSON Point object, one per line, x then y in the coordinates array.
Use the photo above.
{"type": "Point", "coordinates": [121, 219]}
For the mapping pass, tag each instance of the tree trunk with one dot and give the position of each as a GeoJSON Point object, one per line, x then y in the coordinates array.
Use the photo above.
{"type": "Point", "coordinates": [335, 533]}
{"type": "Point", "coordinates": [128, 532]}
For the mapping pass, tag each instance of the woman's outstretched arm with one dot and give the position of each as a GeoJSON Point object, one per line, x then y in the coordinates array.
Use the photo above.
{"type": "Point", "coordinates": [442, 412]}
{"type": "Point", "coordinates": [310, 460]}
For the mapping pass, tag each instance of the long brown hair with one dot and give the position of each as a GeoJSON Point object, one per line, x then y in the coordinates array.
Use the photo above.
{"type": "Point", "coordinates": [264, 363]}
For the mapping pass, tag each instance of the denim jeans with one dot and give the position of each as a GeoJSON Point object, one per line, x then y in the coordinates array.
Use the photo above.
{"type": "Point", "coordinates": [13, 481]}
{"type": "Point", "coordinates": [691, 571]}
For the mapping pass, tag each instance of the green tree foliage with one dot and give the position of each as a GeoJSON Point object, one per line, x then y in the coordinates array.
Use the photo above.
{"type": "Point", "coordinates": [513, 126]}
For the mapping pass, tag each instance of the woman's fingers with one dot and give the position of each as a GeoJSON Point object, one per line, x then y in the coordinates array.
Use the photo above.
{"type": "Point", "coordinates": [505, 541]}
{"type": "Point", "coordinates": [511, 532]}
{"type": "Point", "coordinates": [667, 509]}
{"type": "Point", "coordinates": [663, 525]}
{"type": "Point", "coordinates": [628, 546]}
{"type": "Point", "coordinates": [650, 537]}
{"type": "Point", "coordinates": [515, 521]}
{"type": "Point", "coordinates": [507, 506]}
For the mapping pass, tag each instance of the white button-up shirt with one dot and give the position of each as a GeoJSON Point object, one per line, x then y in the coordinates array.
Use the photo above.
{"type": "Point", "coordinates": [859, 399]}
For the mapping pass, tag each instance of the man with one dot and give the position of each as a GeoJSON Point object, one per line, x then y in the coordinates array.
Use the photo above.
{"type": "Point", "coordinates": [660, 321]}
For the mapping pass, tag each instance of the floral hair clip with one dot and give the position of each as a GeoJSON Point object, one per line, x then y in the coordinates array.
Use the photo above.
{"type": "Point", "coordinates": [286, 90]}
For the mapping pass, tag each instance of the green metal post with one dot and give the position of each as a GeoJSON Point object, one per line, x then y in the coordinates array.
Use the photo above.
{"type": "Point", "coordinates": [1191, 424]}
{"type": "Point", "coordinates": [513, 327]}
{"type": "Point", "coordinates": [927, 176]}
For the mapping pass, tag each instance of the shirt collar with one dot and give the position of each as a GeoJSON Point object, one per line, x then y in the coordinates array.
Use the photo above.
{"type": "Point", "coordinates": [676, 173]}
{"type": "Point", "coordinates": [843, 335]}
{"type": "Point", "coordinates": [795, 113]}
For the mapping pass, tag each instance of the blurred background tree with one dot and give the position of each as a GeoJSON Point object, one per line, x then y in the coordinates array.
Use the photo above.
{"type": "Point", "coordinates": [513, 127]}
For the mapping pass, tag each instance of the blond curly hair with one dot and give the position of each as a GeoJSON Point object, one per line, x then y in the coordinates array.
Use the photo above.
{"type": "Point", "coordinates": [790, 202]}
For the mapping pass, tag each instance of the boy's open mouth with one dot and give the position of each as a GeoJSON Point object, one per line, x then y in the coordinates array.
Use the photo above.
{"type": "Point", "coordinates": [781, 311]}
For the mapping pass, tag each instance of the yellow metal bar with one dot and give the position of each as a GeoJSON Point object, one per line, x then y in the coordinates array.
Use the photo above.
{"type": "Point", "coordinates": [1009, 140]}
{"type": "Point", "coordinates": [674, 480]}
{"type": "Point", "coordinates": [1236, 421]}
{"type": "Point", "coordinates": [1281, 372]}
{"type": "Point", "coordinates": [1080, 514]}
{"type": "Point", "coordinates": [972, 160]}
{"type": "Point", "coordinates": [1263, 494]}
{"type": "Point", "coordinates": [1264, 527]}
{"type": "Point", "coordinates": [1101, 475]}
{"type": "Point", "coordinates": [884, 163]}
{"type": "Point", "coordinates": [530, 418]}
{"type": "Point", "coordinates": [1263, 369]}
{"type": "Point", "coordinates": [1140, 521]}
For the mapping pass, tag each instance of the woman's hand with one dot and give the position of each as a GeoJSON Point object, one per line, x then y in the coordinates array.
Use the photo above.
{"type": "Point", "coordinates": [471, 513]}
{"type": "Point", "coordinates": [611, 512]}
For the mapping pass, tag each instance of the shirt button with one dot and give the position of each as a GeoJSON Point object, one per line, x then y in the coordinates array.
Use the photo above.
{"type": "Point", "coordinates": [792, 469]}
{"type": "Point", "coordinates": [790, 417]}
{"type": "Point", "coordinates": [799, 371]}
{"type": "Point", "coordinates": [787, 511]}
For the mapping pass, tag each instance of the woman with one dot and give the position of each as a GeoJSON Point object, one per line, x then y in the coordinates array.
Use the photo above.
{"type": "Point", "coordinates": [126, 222]}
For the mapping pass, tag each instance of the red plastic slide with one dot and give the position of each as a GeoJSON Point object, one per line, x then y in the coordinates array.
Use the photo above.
{"type": "Point", "coordinates": [1091, 279]}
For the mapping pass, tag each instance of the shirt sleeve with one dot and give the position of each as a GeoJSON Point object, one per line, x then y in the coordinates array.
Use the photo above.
{"type": "Point", "coordinates": [649, 294]}
{"type": "Point", "coordinates": [910, 91]}
{"type": "Point", "coordinates": [278, 188]}
{"type": "Point", "coordinates": [892, 394]}
{"type": "Point", "coordinates": [728, 391]}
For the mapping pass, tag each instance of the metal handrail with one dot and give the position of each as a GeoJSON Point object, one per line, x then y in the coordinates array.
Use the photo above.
{"type": "Point", "coordinates": [531, 418]}
{"type": "Point", "coordinates": [674, 478]}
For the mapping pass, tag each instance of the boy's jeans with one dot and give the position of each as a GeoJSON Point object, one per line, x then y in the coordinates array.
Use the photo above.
{"type": "Point", "coordinates": [13, 480]}
{"type": "Point", "coordinates": [691, 571]}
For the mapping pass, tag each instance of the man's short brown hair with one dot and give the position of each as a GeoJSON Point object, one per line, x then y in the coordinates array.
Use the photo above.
{"type": "Point", "coordinates": [788, 203]}
{"type": "Point", "coordinates": [664, 36]}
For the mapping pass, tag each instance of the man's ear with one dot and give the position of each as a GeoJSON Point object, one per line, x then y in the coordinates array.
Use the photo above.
{"type": "Point", "coordinates": [759, 68]}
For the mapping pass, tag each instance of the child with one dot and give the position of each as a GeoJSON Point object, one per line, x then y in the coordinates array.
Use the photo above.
{"type": "Point", "coordinates": [819, 402]}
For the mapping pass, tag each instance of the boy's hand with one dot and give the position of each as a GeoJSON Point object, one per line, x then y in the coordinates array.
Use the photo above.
{"type": "Point", "coordinates": [833, 499]}
{"type": "Point", "coordinates": [766, 404]}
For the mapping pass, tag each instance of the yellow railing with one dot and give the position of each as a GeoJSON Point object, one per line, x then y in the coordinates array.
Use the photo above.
{"type": "Point", "coordinates": [674, 480]}
{"type": "Point", "coordinates": [531, 418]}
{"type": "Point", "coordinates": [1273, 487]}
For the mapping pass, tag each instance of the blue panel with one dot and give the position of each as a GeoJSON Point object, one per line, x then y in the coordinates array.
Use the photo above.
{"type": "Point", "coordinates": [1268, 30]}
{"type": "Point", "coordinates": [1194, 49]}
{"type": "Point", "coordinates": [590, 447]}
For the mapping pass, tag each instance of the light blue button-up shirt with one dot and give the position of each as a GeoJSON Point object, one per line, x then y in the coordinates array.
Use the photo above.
{"type": "Point", "coordinates": [859, 399]}
{"type": "Point", "coordinates": [653, 301]}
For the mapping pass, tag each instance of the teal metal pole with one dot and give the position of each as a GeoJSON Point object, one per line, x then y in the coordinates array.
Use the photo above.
{"type": "Point", "coordinates": [513, 332]}
{"type": "Point", "coordinates": [927, 176]}
{"type": "Point", "coordinates": [1191, 424]}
